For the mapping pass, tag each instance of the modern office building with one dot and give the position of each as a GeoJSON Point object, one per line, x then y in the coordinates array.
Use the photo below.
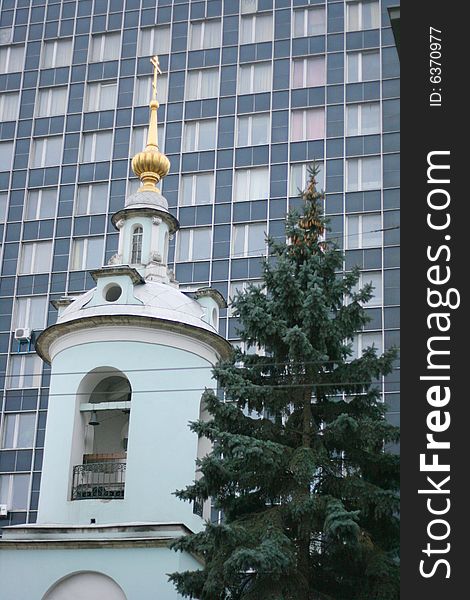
{"type": "Point", "coordinates": [252, 92]}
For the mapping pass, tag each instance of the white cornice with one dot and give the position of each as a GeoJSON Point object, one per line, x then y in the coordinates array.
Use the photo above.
{"type": "Point", "coordinates": [198, 341]}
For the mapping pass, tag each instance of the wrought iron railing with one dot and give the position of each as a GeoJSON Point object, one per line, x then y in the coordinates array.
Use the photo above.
{"type": "Point", "coordinates": [99, 480]}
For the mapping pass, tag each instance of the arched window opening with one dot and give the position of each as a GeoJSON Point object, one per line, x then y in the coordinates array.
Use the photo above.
{"type": "Point", "coordinates": [109, 420]}
{"type": "Point", "coordinates": [87, 585]}
{"type": "Point", "coordinates": [105, 402]}
{"type": "Point", "coordinates": [136, 245]}
{"type": "Point", "coordinates": [114, 388]}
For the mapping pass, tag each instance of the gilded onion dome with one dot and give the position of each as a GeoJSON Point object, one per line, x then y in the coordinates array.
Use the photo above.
{"type": "Point", "coordinates": [151, 165]}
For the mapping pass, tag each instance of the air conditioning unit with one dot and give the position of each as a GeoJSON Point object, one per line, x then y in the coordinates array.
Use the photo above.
{"type": "Point", "coordinates": [3, 511]}
{"type": "Point", "coordinates": [23, 334]}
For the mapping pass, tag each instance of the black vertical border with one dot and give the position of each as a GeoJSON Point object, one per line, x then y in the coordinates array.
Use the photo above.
{"type": "Point", "coordinates": [424, 129]}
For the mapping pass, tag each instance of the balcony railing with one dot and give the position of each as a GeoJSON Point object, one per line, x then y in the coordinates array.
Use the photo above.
{"type": "Point", "coordinates": [99, 480]}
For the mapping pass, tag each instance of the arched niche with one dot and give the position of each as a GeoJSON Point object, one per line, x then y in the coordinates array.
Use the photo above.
{"type": "Point", "coordinates": [204, 447]}
{"type": "Point", "coordinates": [104, 381]}
{"type": "Point", "coordinates": [86, 585]}
{"type": "Point", "coordinates": [137, 236]}
{"type": "Point", "coordinates": [102, 417]}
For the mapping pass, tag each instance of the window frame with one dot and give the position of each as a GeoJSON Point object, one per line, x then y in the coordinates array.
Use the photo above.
{"type": "Point", "coordinates": [246, 253]}
{"type": "Point", "coordinates": [39, 203]}
{"type": "Point", "coordinates": [9, 494]}
{"type": "Point", "coordinates": [49, 92]}
{"type": "Point", "coordinates": [7, 166]}
{"type": "Point", "coordinates": [102, 50]}
{"type": "Point", "coordinates": [193, 177]}
{"type": "Point", "coordinates": [89, 188]}
{"type": "Point", "coordinates": [99, 86]}
{"type": "Point", "coordinates": [29, 301]}
{"type": "Point", "coordinates": [191, 231]}
{"type": "Point", "coordinates": [147, 82]}
{"type": "Point", "coordinates": [250, 118]}
{"type": "Point", "coordinates": [305, 118]}
{"type": "Point", "coordinates": [359, 345]}
{"type": "Point", "coordinates": [200, 73]}
{"type": "Point", "coordinates": [203, 23]}
{"type": "Point", "coordinates": [3, 206]}
{"type": "Point", "coordinates": [305, 11]}
{"type": "Point", "coordinates": [94, 135]}
{"type": "Point", "coordinates": [305, 69]}
{"type": "Point", "coordinates": [5, 66]}
{"type": "Point", "coordinates": [57, 52]}
{"type": "Point", "coordinates": [155, 50]}
{"type": "Point", "coordinates": [25, 359]}
{"type": "Point", "coordinates": [360, 118]}
{"type": "Point", "coordinates": [197, 135]}
{"type": "Point", "coordinates": [86, 240]}
{"type": "Point", "coordinates": [3, 100]}
{"type": "Point", "coordinates": [360, 6]}
{"type": "Point", "coordinates": [45, 143]}
{"type": "Point", "coordinates": [239, 285]}
{"type": "Point", "coordinates": [32, 268]}
{"type": "Point", "coordinates": [253, 67]}
{"type": "Point", "coordinates": [360, 68]}
{"type": "Point", "coordinates": [136, 145]}
{"type": "Point", "coordinates": [360, 160]}
{"type": "Point", "coordinates": [366, 277]}
{"type": "Point", "coordinates": [254, 28]}
{"type": "Point", "coordinates": [249, 171]}
{"type": "Point", "coordinates": [246, 10]}
{"type": "Point", "coordinates": [304, 176]}
{"type": "Point", "coordinates": [16, 429]}
{"type": "Point", "coordinates": [362, 232]}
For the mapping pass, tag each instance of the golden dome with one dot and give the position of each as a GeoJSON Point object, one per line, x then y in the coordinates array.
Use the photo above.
{"type": "Point", "coordinates": [151, 165]}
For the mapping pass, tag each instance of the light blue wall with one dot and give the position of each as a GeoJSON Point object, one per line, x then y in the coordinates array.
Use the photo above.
{"type": "Point", "coordinates": [141, 572]}
{"type": "Point", "coordinates": [161, 448]}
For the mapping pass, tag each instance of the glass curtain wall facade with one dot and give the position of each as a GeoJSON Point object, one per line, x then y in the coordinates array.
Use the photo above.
{"type": "Point", "coordinates": [253, 91]}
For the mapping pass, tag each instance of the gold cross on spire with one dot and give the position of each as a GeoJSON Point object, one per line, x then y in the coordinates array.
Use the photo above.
{"type": "Point", "coordinates": [156, 72]}
{"type": "Point", "coordinates": [151, 165]}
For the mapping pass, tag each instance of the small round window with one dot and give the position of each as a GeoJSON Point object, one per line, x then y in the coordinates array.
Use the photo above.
{"type": "Point", "coordinates": [112, 293]}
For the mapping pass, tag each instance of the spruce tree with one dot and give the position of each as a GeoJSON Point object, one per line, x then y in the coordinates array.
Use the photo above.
{"type": "Point", "coordinates": [299, 467]}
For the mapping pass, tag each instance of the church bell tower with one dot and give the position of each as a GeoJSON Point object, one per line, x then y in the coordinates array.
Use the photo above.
{"type": "Point", "coordinates": [129, 360]}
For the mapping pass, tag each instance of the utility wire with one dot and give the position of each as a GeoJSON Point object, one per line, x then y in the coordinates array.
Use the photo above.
{"type": "Point", "coordinates": [326, 239]}
{"type": "Point", "coordinates": [277, 386]}
{"type": "Point", "coordinates": [165, 369]}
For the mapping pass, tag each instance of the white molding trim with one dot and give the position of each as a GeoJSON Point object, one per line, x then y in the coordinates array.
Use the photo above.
{"type": "Point", "coordinates": [121, 333]}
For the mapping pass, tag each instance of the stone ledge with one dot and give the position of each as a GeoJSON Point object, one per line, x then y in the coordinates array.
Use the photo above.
{"type": "Point", "coordinates": [21, 537]}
